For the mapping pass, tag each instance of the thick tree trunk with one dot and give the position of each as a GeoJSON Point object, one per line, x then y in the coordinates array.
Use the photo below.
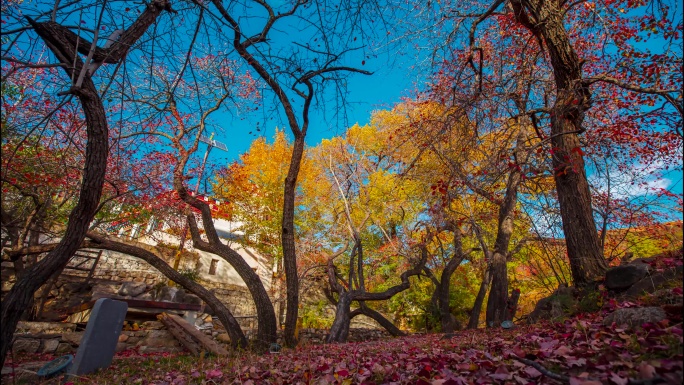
{"type": "Point", "coordinates": [224, 315]}
{"type": "Point", "coordinates": [584, 251]}
{"type": "Point", "coordinates": [447, 319]}
{"type": "Point", "coordinates": [545, 19]}
{"type": "Point", "coordinates": [339, 331]}
{"type": "Point", "coordinates": [288, 241]}
{"type": "Point", "coordinates": [479, 300]}
{"type": "Point", "coordinates": [97, 149]}
{"type": "Point", "coordinates": [498, 293]}
{"type": "Point", "coordinates": [512, 305]}
{"type": "Point", "coordinates": [21, 294]}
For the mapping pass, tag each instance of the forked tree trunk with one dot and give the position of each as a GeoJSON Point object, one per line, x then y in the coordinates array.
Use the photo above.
{"type": "Point", "coordinates": [339, 330]}
{"type": "Point", "coordinates": [266, 319]}
{"type": "Point", "coordinates": [447, 320]}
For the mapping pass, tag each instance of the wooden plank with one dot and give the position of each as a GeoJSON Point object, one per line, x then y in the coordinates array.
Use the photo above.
{"type": "Point", "coordinates": [179, 334]}
{"type": "Point", "coordinates": [137, 303]}
{"type": "Point", "coordinates": [161, 305]}
{"type": "Point", "coordinates": [205, 342]}
{"type": "Point", "coordinates": [81, 307]}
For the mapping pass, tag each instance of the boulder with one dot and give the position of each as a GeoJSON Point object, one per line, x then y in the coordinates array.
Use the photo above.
{"type": "Point", "coordinates": [152, 325]}
{"type": "Point", "coordinates": [223, 337]}
{"type": "Point", "coordinates": [159, 339]}
{"type": "Point", "coordinates": [105, 290]}
{"type": "Point", "coordinates": [191, 299]}
{"type": "Point", "coordinates": [71, 288]}
{"type": "Point", "coordinates": [624, 276]}
{"type": "Point", "coordinates": [132, 289]}
{"type": "Point", "coordinates": [63, 347]}
{"type": "Point", "coordinates": [26, 345]}
{"type": "Point", "coordinates": [554, 306]}
{"type": "Point", "coordinates": [635, 316]}
{"type": "Point", "coordinates": [145, 297]}
{"type": "Point", "coordinates": [44, 327]}
{"type": "Point", "coordinates": [653, 282]}
{"type": "Point", "coordinates": [49, 346]}
{"type": "Point", "coordinates": [167, 294]}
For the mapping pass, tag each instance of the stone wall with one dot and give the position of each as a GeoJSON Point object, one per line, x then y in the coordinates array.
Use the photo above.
{"type": "Point", "coordinates": [121, 267]}
{"type": "Point", "coordinates": [151, 337]}
{"type": "Point", "coordinates": [237, 298]}
{"type": "Point", "coordinates": [61, 338]}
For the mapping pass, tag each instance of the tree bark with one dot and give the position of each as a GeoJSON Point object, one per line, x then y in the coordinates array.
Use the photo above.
{"type": "Point", "coordinates": [479, 300]}
{"type": "Point", "coordinates": [339, 331]}
{"type": "Point", "coordinates": [545, 18]}
{"type": "Point", "coordinates": [447, 319]}
{"type": "Point", "coordinates": [340, 327]}
{"type": "Point", "coordinates": [97, 150]}
{"type": "Point", "coordinates": [266, 319]}
{"type": "Point", "coordinates": [498, 292]}
{"type": "Point", "coordinates": [288, 241]}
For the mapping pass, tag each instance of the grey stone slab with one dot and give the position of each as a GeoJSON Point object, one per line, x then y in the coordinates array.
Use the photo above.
{"type": "Point", "coordinates": [98, 344]}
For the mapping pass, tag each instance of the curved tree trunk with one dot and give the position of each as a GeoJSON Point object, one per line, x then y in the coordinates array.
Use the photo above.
{"type": "Point", "coordinates": [379, 318]}
{"type": "Point", "coordinates": [224, 315]}
{"type": "Point", "coordinates": [58, 41]}
{"type": "Point", "coordinates": [97, 149]}
{"type": "Point", "coordinates": [266, 320]}
{"type": "Point", "coordinates": [447, 319]}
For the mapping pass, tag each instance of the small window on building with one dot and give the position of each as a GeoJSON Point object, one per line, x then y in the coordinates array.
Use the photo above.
{"type": "Point", "coordinates": [213, 266]}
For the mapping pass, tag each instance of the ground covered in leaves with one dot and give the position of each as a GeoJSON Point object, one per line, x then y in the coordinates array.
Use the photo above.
{"type": "Point", "coordinates": [579, 350]}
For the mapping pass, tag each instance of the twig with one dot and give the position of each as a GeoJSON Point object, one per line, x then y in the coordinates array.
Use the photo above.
{"type": "Point", "coordinates": [543, 370]}
{"type": "Point", "coordinates": [650, 381]}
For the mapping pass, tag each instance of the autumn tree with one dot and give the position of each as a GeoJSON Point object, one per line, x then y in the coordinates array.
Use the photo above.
{"type": "Point", "coordinates": [253, 188]}
{"type": "Point", "coordinates": [64, 45]}
{"type": "Point", "coordinates": [295, 76]}
{"type": "Point", "coordinates": [591, 53]}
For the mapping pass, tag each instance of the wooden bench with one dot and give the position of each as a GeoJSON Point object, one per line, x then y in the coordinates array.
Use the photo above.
{"type": "Point", "coordinates": [136, 308]}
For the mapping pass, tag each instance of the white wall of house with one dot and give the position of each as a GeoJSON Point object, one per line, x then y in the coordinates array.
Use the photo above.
{"type": "Point", "coordinates": [223, 271]}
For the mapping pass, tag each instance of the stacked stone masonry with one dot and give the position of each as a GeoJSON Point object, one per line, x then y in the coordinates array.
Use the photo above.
{"type": "Point", "coordinates": [62, 338]}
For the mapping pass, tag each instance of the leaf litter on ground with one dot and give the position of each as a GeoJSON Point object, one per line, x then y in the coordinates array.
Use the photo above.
{"type": "Point", "coordinates": [577, 351]}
